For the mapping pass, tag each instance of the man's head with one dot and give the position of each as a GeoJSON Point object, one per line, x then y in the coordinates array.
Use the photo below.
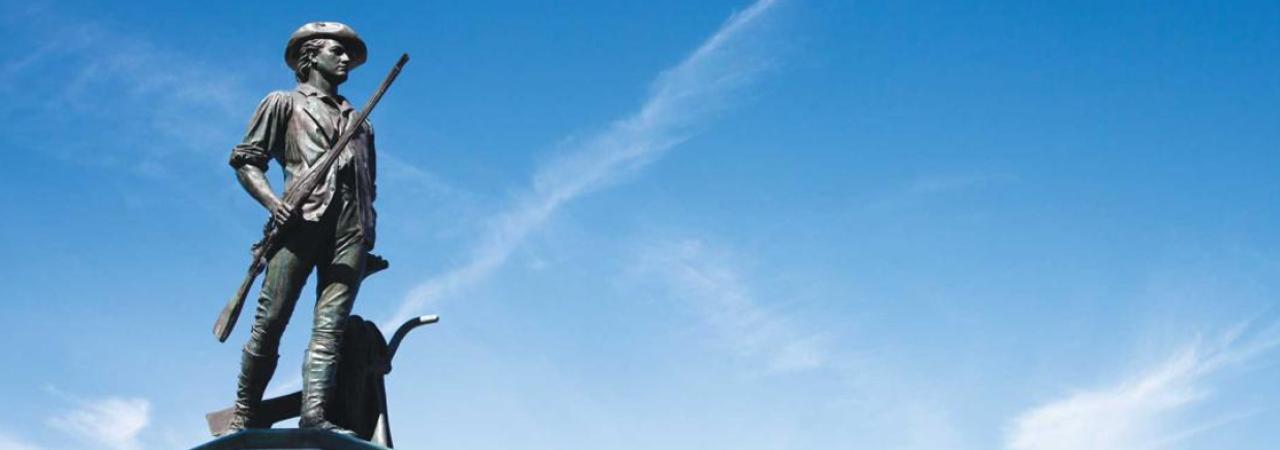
{"type": "Point", "coordinates": [324, 57]}
{"type": "Point", "coordinates": [330, 48]}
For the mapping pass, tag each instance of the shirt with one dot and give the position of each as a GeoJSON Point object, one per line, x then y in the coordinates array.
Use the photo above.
{"type": "Point", "coordinates": [295, 129]}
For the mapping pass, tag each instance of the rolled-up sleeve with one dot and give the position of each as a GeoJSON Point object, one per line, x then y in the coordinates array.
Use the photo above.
{"type": "Point", "coordinates": [266, 134]}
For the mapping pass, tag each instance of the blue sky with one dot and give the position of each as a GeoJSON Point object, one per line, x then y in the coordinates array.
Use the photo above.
{"type": "Point", "coordinates": [781, 224]}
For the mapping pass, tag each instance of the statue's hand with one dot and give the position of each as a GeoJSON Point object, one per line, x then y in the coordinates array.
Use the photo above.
{"type": "Point", "coordinates": [280, 212]}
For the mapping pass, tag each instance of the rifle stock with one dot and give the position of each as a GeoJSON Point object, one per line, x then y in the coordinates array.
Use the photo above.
{"type": "Point", "coordinates": [294, 197]}
{"type": "Point", "coordinates": [231, 312]}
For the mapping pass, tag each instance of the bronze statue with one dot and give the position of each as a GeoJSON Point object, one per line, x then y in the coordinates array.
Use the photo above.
{"type": "Point", "coordinates": [325, 219]}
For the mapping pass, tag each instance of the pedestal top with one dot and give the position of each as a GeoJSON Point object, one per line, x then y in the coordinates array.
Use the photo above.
{"type": "Point", "coordinates": [287, 438]}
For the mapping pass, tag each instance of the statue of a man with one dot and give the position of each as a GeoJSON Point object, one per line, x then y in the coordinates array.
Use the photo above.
{"type": "Point", "coordinates": [332, 232]}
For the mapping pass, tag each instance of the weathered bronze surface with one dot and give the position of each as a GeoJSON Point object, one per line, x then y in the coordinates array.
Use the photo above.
{"type": "Point", "coordinates": [301, 195]}
{"type": "Point", "coordinates": [325, 221]}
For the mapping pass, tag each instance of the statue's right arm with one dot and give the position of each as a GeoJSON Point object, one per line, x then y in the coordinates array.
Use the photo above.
{"type": "Point", "coordinates": [254, 181]}
{"type": "Point", "coordinates": [265, 137]}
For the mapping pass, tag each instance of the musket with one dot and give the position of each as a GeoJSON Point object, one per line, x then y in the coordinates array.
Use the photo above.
{"type": "Point", "coordinates": [294, 197]}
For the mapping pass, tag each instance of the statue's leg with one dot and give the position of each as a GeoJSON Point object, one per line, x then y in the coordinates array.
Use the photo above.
{"type": "Point", "coordinates": [255, 372]}
{"type": "Point", "coordinates": [286, 274]}
{"type": "Point", "coordinates": [338, 274]}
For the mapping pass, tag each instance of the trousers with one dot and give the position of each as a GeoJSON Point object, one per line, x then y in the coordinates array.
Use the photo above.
{"type": "Point", "coordinates": [335, 247]}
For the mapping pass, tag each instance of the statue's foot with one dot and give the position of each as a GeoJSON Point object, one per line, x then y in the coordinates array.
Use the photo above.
{"type": "Point", "coordinates": [230, 431]}
{"type": "Point", "coordinates": [326, 426]}
{"type": "Point", "coordinates": [238, 423]}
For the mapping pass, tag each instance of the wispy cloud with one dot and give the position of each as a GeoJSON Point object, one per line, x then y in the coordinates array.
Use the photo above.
{"type": "Point", "coordinates": [1152, 410]}
{"type": "Point", "coordinates": [95, 94]}
{"type": "Point", "coordinates": [102, 87]}
{"type": "Point", "coordinates": [858, 392]}
{"type": "Point", "coordinates": [681, 98]}
{"type": "Point", "coordinates": [707, 280]}
{"type": "Point", "coordinates": [9, 441]}
{"type": "Point", "coordinates": [112, 422]}
{"type": "Point", "coordinates": [931, 186]}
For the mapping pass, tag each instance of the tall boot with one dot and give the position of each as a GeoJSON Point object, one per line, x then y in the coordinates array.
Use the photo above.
{"type": "Point", "coordinates": [255, 373]}
{"type": "Point", "coordinates": [319, 383]}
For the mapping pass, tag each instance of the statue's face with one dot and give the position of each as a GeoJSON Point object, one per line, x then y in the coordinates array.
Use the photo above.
{"type": "Point", "coordinates": [332, 61]}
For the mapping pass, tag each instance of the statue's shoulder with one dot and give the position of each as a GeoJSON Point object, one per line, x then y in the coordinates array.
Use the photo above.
{"type": "Point", "coordinates": [280, 97]}
{"type": "Point", "coordinates": [277, 104]}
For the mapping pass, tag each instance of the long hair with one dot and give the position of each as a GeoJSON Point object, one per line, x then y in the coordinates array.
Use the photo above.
{"type": "Point", "coordinates": [306, 55]}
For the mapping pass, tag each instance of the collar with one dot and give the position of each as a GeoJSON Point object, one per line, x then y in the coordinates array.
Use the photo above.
{"type": "Point", "coordinates": [335, 100]}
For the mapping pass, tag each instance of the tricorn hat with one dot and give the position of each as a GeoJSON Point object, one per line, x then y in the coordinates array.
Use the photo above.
{"type": "Point", "coordinates": [328, 30]}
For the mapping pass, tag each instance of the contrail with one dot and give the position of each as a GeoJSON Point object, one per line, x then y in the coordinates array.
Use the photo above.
{"type": "Point", "coordinates": [681, 98]}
